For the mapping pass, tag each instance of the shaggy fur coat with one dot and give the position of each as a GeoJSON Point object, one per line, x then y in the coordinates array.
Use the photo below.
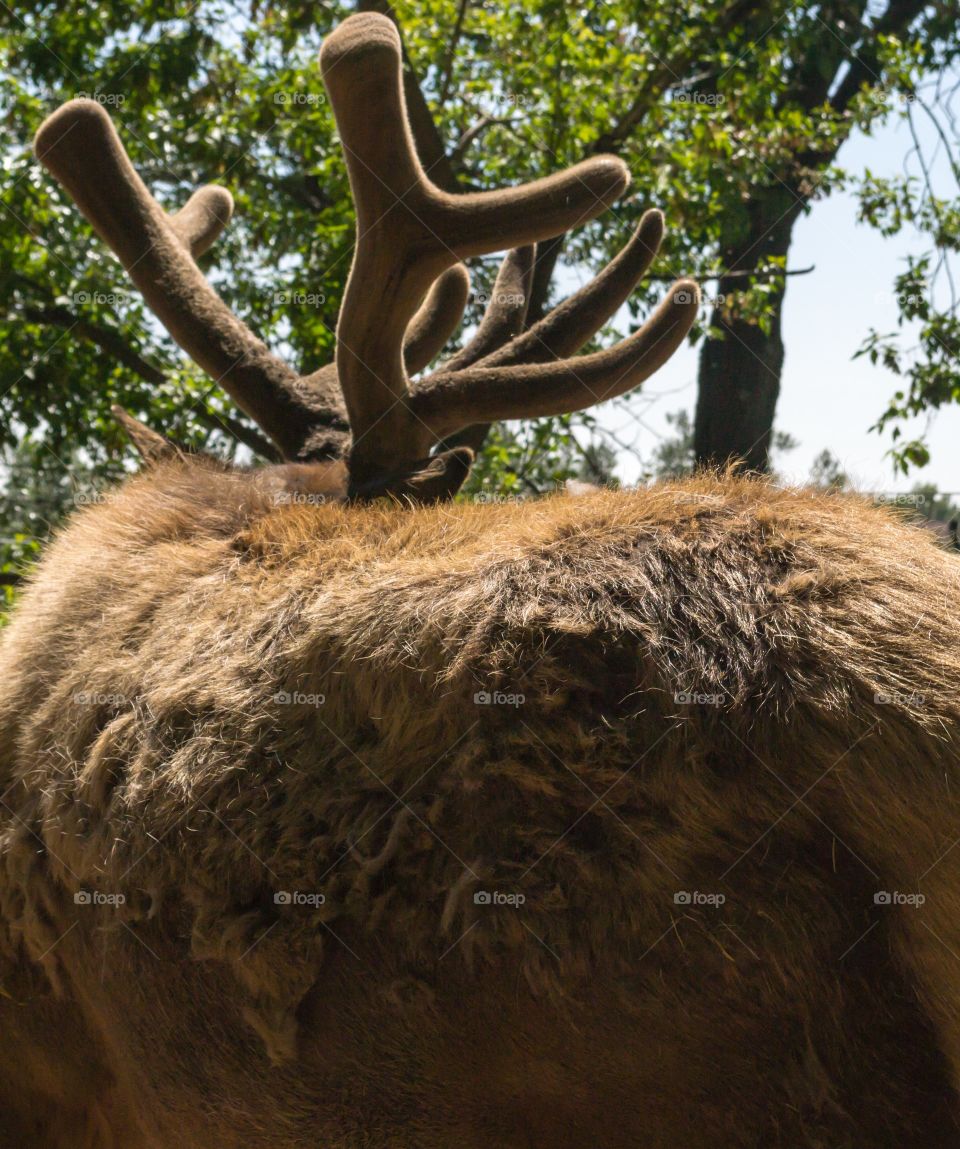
{"type": "Point", "coordinates": [622, 820]}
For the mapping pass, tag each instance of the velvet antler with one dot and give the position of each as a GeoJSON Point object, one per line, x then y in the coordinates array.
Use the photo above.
{"type": "Point", "coordinates": [406, 290]}
{"type": "Point", "coordinates": [409, 231]}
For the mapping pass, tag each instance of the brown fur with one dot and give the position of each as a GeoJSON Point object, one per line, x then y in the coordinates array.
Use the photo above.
{"type": "Point", "coordinates": [145, 752]}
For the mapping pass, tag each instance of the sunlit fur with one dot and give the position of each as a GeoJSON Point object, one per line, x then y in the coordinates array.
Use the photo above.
{"type": "Point", "coordinates": [727, 689]}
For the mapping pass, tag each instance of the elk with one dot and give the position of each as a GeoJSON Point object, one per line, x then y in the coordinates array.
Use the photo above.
{"type": "Point", "coordinates": [338, 814]}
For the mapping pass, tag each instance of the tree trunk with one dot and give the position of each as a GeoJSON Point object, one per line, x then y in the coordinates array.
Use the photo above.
{"type": "Point", "coordinates": [739, 376]}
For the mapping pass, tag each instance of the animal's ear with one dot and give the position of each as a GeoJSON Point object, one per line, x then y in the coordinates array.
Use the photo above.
{"type": "Point", "coordinates": [154, 448]}
{"type": "Point", "coordinates": [432, 481]}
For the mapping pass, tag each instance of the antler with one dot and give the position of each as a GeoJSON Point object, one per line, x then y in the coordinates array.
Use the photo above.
{"type": "Point", "coordinates": [79, 145]}
{"type": "Point", "coordinates": [411, 238]}
{"type": "Point", "coordinates": [409, 231]}
{"type": "Point", "coordinates": [572, 323]}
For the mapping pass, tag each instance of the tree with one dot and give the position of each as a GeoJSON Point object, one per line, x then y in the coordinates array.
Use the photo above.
{"type": "Point", "coordinates": [827, 69]}
{"type": "Point", "coordinates": [38, 489]}
{"type": "Point", "coordinates": [933, 504]}
{"type": "Point", "coordinates": [827, 472]}
{"type": "Point", "coordinates": [925, 291]}
{"type": "Point", "coordinates": [677, 455]}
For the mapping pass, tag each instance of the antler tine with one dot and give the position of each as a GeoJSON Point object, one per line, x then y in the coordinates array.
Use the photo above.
{"type": "Point", "coordinates": [448, 401]}
{"type": "Point", "coordinates": [437, 319]}
{"type": "Point", "coordinates": [153, 447]}
{"type": "Point", "coordinates": [505, 313]}
{"type": "Point", "coordinates": [565, 329]}
{"type": "Point", "coordinates": [202, 218]}
{"type": "Point", "coordinates": [409, 231]}
{"type": "Point", "coordinates": [502, 321]}
{"type": "Point", "coordinates": [569, 325]}
{"type": "Point", "coordinates": [79, 146]}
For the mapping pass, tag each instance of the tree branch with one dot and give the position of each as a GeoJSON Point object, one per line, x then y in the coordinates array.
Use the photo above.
{"type": "Point", "coordinates": [667, 74]}
{"type": "Point", "coordinates": [114, 345]}
{"type": "Point", "coordinates": [458, 149]}
{"type": "Point", "coordinates": [447, 69]}
{"type": "Point", "coordinates": [767, 273]}
{"type": "Point", "coordinates": [249, 436]}
{"type": "Point", "coordinates": [897, 19]}
{"type": "Point", "coordinates": [110, 341]}
{"type": "Point", "coordinates": [548, 253]}
{"type": "Point", "coordinates": [814, 72]}
{"type": "Point", "coordinates": [427, 137]}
